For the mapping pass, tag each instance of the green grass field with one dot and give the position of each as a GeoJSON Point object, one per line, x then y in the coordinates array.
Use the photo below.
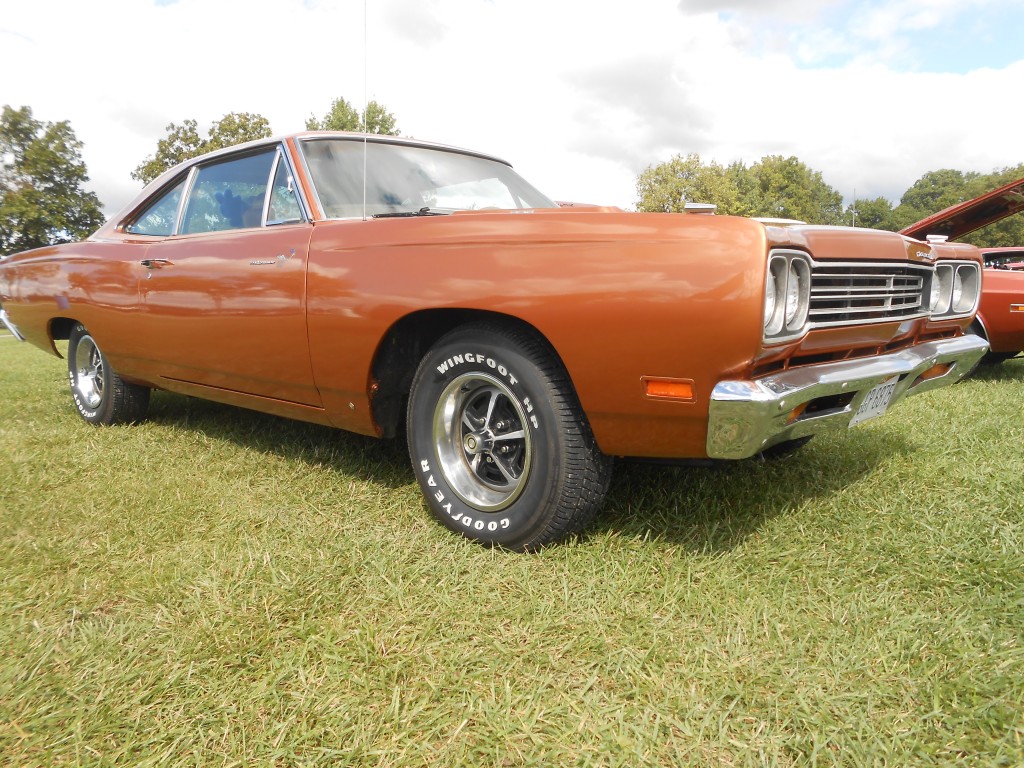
{"type": "Point", "coordinates": [219, 587]}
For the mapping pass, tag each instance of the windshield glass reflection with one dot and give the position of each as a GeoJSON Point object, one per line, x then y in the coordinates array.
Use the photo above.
{"type": "Point", "coordinates": [411, 180]}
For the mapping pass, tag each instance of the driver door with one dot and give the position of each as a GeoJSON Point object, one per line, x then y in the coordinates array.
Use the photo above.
{"type": "Point", "coordinates": [224, 300]}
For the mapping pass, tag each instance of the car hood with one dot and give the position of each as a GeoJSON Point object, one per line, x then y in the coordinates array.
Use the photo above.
{"type": "Point", "coordinates": [961, 219]}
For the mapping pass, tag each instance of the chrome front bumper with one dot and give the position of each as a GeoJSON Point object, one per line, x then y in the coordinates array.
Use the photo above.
{"type": "Point", "coordinates": [10, 326]}
{"type": "Point", "coordinates": [746, 417]}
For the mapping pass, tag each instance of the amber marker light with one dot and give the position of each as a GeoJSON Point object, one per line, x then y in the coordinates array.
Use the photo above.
{"type": "Point", "coordinates": [667, 389]}
{"type": "Point", "coordinates": [934, 372]}
{"type": "Point", "coordinates": [1017, 307]}
{"type": "Point", "coordinates": [797, 412]}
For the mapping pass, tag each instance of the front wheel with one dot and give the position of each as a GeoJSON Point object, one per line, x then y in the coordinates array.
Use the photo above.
{"type": "Point", "coordinates": [499, 443]}
{"type": "Point", "coordinates": [101, 396]}
{"type": "Point", "coordinates": [997, 358]}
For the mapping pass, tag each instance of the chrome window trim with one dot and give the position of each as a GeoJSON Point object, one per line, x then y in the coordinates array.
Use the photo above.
{"type": "Point", "coordinates": [221, 158]}
{"type": "Point", "coordinates": [185, 180]}
{"type": "Point", "coordinates": [300, 195]}
{"type": "Point", "coordinates": [186, 191]}
{"type": "Point", "coordinates": [300, 145]}
{"type": "Point", "coordinates": [282, 157]}
{"type": "Point", "coordinates": [270, 188]}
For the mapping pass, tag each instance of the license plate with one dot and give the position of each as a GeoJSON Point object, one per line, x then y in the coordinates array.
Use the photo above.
{"type": "Point", "coordinates": [876, 402]}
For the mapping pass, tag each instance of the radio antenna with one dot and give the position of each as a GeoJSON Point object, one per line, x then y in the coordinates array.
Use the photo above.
{"type": "Point", "coordinates": [365, 59]}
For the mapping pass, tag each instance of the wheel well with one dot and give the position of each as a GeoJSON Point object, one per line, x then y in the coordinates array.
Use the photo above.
{"type": "Point", "coordinates": [403, 347]}
{"type": "Point", "coordinates": [60, 328]}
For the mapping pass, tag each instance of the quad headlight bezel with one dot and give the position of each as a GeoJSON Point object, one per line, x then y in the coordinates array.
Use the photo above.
{"type": "Point", "coordinates": [787, 295]}
{"type": "Point", "coordinates": [955, 290]}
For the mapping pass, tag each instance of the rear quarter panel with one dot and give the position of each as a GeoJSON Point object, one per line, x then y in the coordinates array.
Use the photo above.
{"type": "Point", "coordinates": [91, 282]}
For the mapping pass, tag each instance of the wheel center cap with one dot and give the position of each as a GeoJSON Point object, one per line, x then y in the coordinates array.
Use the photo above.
{"type": "Point", "coordinates": [476, 443]}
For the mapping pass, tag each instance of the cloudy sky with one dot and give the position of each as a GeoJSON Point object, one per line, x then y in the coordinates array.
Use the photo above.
{"type": "Point", "coordinates": [580, 95]}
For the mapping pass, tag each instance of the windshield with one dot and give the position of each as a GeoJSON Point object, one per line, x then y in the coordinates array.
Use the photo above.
{"type": "Point", "coordinates": [403, 179]}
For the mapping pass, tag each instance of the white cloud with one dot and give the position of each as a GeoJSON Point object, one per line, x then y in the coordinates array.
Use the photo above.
{"type": "Point", "coordinates": [580, 96]}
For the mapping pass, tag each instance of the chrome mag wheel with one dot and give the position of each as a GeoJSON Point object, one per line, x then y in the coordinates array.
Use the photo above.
{"type": "Point", "coordinates": [88, 379]}
{"type": "Point", "coordinates": [481, 441]}
{"type": "Point", "coordinates": [499, 443]}
{"type": "Point", "coordinates": [99, 393]}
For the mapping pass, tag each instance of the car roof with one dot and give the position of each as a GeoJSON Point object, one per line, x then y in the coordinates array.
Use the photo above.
{"type": "Point", "coordinates": [161, 181]}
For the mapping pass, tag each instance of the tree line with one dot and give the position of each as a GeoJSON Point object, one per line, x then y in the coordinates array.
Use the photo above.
{"type": "Point", "coordinates": [785, 188]}
{"type": "Point", "coordinates": [183, 142]}
{"type": "Point", "coordinates": [43, 199]}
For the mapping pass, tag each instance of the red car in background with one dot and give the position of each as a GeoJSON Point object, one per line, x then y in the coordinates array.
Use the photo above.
{"type": "Point", "coordinates": [1000, 317]}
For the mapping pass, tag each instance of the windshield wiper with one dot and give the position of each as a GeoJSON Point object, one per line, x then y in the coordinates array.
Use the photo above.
{"type": "Point", "coordinates": [424, 211]}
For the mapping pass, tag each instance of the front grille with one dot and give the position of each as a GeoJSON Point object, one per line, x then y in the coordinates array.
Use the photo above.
{"type": "Point", "coordinates": [850, 294]}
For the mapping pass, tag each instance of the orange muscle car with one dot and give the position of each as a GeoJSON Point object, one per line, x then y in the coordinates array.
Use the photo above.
{"type": "Point", "coordinates": [1000, 319]}
{"type": "Point", "coordinates": [366, 282]}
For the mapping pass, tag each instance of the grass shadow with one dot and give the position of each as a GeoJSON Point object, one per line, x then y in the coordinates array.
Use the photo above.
{"type": "Point", "coordinates": [1008, 370]}
{"type": "Point", "coordinates": [714, 509]}
{"type": "Point", "coordinates": [384, 462]}
{"type": "Point", "coordinates": [703, 509]}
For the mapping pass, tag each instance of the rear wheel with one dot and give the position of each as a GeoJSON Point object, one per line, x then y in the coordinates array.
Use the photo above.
{"type": "Point", "coordinates": [499, 443]}
{"type": "Point", "coordinates": [101, 396]}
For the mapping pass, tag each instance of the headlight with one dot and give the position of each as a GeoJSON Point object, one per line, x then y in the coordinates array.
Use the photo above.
{"type": "Point", "coordinates": [775, 297]}
{"type": "Point", "coordinates": [942, 289]}
{"type": "Point", "coordinates": [787, 292]}
{"type": "Point", "coordinates": [958, 290]}
{"type": "Point", "coordinates": [771, 294]}
{"type": "Point", "coordinates": [956, 287]}
{"type": "Point", "coordinates": [966, 288]}
{"type": "Point", "coordinates": [798, 293]}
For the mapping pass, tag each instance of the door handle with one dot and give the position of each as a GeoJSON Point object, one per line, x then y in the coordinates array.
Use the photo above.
{"type": "Point", "coordinates": [156, 263]}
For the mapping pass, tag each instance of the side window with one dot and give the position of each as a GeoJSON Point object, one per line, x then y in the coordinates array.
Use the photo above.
{"type": "Point", "coordinates": [160, 216]}
{"type": "Point", "coordinates": [229, 194]}
{"type": "Point", "coordinates": [284, 207]}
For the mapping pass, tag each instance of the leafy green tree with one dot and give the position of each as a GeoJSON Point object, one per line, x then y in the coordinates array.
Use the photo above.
{"type": "Point", "coordinates": [872, 214]}
{"type": "Point", "coordinates": [183, 141]}
{"type": "Point", "coordinates": [667, 187]}
{"type": "Point", "coordinates": [930, 194]}
{"type": "Point", "coordinates": [180, 143]}
{"type": "Point", "coordinates": [1009, 231]}
{"type": "Point", "coordinates": [775, 187]}
{"type": "Point", "coordinates": [42, 176]}
{"type": "Point", "coordinates": [379, 120]}
{"type": "Point", "coordinates": [342, 116]}
{"type": "Point", "coordinates": [237, 128]}
{"type": "Point", "coordinates": [784, 187]}
{"type": "Point", "coordinates": [937, 190]}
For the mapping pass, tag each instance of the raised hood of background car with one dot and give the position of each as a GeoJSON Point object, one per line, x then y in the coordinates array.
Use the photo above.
{"type": "Point", "coordinates": [963, 218]}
